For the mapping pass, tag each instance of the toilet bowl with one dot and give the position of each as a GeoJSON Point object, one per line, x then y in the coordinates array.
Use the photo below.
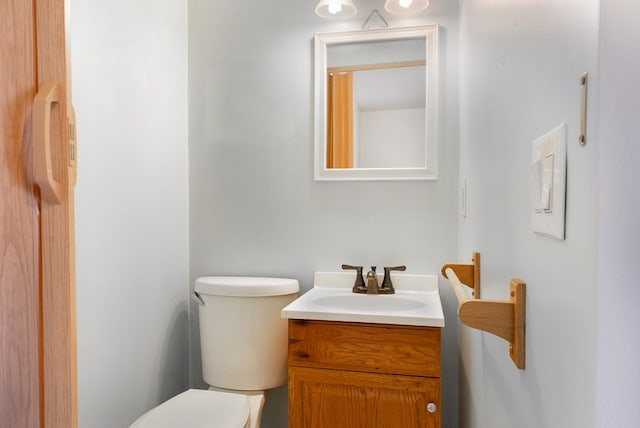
{"type": "Point", "coordinates": [197, 408]}
{"type": "Point", "coordinates": [244, 353]}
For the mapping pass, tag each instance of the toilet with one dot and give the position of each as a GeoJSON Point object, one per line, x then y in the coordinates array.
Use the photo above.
{"type": "Point", "coordinates": [244, 354]}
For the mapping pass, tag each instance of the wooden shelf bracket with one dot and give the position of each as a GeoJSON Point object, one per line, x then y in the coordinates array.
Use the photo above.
{"type": "Point", "coordinates": [469, 275]}
{"type": "Point", "coordinates": [503, 318]}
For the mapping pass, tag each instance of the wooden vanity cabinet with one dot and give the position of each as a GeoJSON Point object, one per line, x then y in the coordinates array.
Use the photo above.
{"type": "Point", "coordinates": [344, 374]}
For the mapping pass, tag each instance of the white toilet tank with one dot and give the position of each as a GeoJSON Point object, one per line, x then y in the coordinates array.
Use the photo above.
{"type": "Point", "coordinates": [242, 335]}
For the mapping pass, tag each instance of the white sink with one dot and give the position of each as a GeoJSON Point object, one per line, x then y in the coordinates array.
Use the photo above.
{"type": "Point", "coordinates": [416, 301]}
{"type": "Point", "coordinates": [369, 302]}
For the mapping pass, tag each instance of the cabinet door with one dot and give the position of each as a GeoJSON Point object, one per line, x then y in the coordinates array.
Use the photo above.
{"type": "Point", "coordinates": [321, 398]}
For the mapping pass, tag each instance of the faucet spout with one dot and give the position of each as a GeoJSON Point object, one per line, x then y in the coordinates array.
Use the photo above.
{"type": "Point", "coordinates": [372, 281]}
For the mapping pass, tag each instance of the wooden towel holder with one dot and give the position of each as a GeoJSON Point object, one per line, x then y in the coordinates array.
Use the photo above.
{"type": "Point", "coordinates": [504, 318]}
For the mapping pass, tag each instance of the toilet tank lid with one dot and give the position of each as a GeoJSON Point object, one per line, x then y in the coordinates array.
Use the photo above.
{"type": "Point", "coordinates": [243, 286]}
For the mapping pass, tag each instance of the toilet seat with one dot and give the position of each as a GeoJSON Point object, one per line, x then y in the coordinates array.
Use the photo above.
{"type": "Point", "coordinates": [196, 408]}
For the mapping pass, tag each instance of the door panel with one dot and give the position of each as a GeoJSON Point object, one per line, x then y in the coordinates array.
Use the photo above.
{"type": "Point", "coordinates": [57, 247]}
{"type": "Point", "coordinates": [38, 385]}
{"type": "Point", "coordinates": [20, 397]}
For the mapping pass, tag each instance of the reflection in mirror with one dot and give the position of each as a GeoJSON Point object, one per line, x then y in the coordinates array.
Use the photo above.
{"type": "Point", "coordinates": [374, 109]}
{"type": "Point", "coordinates": [375, 96]}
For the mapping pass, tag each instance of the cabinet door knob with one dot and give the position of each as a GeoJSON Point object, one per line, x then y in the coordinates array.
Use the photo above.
{"type": "Point", "coordinates": [431, 407]}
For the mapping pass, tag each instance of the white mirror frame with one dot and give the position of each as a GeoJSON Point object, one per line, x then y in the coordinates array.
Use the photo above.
{"type": "Point", "coordinates": [430, 169]}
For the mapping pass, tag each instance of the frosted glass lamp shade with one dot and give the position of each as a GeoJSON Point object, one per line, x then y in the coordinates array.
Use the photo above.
{"type": "Point", "coordinates": [406, 7]}
{"type": "Point", "coordinates": [335, 9]}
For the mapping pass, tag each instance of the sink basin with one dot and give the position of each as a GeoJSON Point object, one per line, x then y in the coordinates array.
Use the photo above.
{"type": "Point", "coordinates": [416, 301]}
{"type": "Point", "coordinates": [369, 302]}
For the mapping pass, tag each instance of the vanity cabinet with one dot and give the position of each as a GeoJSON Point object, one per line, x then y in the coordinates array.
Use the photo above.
{"type": "Point", "coordinates": [347, 374]}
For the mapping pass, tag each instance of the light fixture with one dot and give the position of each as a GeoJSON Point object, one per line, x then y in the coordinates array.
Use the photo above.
{"type": "Point", "coordinates": [335, 9]}
{"type": "Point", "coordinates": [406, 7]}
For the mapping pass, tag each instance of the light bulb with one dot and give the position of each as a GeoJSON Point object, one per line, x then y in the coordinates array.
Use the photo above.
{"type": "Point", "coordinates": [335, 7]}
{"type": "Point", "coordinates": [406, 7]}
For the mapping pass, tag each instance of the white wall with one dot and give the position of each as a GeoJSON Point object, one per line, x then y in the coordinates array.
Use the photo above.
{"type": "Point", "coordinates": [255, 209]}
{"type": "Point", "coordinates": [618, 381]}
{"type": "Point", "coordinates": [391, 138]}
{"type": "Point", "coordinates": [520, 66]}
{"type": "Point", "coordinates": [129, 76]}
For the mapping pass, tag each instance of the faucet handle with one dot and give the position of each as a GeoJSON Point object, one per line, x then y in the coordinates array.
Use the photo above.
{"type": "Point", "coordinates": [387, 286]}
{"type": "Point", "coordinates": [358, 286]}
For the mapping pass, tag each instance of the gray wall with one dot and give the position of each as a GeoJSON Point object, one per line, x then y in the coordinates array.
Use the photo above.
{"type": "Point", "coordinates": [254, 207]}
{"type": "Point", "coordinates": [129, 74]}
{"type": "Point", "coordinates": [520, 67]}
{"type": "Point", "coordinates": [618, 381]}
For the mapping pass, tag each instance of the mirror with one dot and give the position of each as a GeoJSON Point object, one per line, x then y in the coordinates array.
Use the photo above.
{"type": "Point", "coordinates": [376, 95]}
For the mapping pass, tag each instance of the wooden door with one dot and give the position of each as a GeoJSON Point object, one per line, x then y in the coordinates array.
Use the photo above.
{"type": "Point", "coordinates": [320, 398]}
{"type": "Point", "coordinates": [37, 283]}
{"type": "Point", "coordinates": [20, 382]}
{"type": "Point", "coordinates": [340, 119]}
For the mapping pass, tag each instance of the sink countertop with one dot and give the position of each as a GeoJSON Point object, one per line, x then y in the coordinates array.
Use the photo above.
{"type": "Point", "coordinates": [416, 301]}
